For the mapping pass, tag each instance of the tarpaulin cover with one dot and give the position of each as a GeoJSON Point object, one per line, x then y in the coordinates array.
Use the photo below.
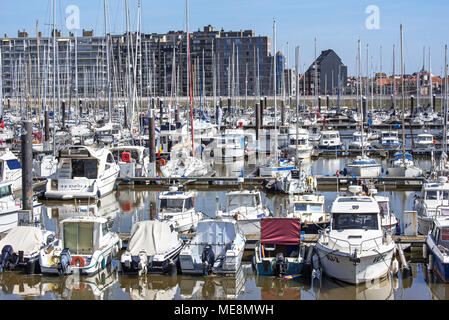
{"type": "Point", "coordinates": [281, 231]}
{"type": "Point", "coordinates": [24, 238]}
{"type": "Point", "coordinates": [152, 236]}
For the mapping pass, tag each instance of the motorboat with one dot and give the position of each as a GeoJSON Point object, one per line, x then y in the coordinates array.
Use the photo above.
{"type": "Point", "coordinates": [245, 206]}
{"type": "Point", "coordinates": [279, 251]}
{"type": "Point", "coordinates": [424, 142]}
{"type": "Point", "coordinates": [364, 166]}
{"type": "Point", "coordinates": [277, 170]}
{"type": "Point", "coordinates": [20, 248]}
{"type": "Point", "coordinates": [83, 173]}
{"type": "Point", "coordinates": [359, 141]}
{"type": "Point", "coordinates": [402, 165]}
{"type": "Point", "coordinates": [86, 245]}
{"type": "Point", "coordinates": [132, 160]}
{"type": "Point", "coordinates": [294, 182]}
{"type": "Point", "coordinates": [216, 248]}
{"type": "Point", "coordinates": [228, 148]}
{"type": "Point", "coordinates": [389, 140]}
{"type": "Point", "coordinates": [437, 242]}
{"type": "Point", "coordinates": [434, 194]}
{"type": "Point", "coordinates": [184, 165]}
{"type": "Point", "coordinates": [330, 140]}
{"type": "Point", "coordinates": [309, 208]}
{"type": "Point", "coordinates": [153, 247]}
{"type": "Point", "coordinates": [299, 145]}
{"type": "Point", "coordinates": [354, 248]}
{"type": "Point", "coordinates": [178, 207]}
{"type": "Point", "coordinates": [108, 134]}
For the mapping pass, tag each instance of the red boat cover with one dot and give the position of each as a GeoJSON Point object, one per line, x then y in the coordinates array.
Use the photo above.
{"type": "Point", "coordinates": [282, 231]}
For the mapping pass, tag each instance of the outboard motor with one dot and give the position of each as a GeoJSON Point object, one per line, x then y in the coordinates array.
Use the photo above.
{"type": "Point", "coordinates": [9, 258]}
{"type": "Point", "coordinates": [280, 266]}
{"type": "Point", "coordinates": [208, 259]}
{"type": "Point", "coordinates": [66, 260]}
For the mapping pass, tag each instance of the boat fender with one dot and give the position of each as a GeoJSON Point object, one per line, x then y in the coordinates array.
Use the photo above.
{"type": "Point", "coordinates": [310, 180]}
{"type": "Point", "coordinates": [212, 153]}
{"type": "Point", "coordinates": [78, 261]}
{"type": "Point", "coordinates": [162, 162]}
{"type": "Point", "coordinates": [98, 194]}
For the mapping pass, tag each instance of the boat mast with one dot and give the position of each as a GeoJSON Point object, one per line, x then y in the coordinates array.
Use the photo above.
{"type": "Point", "coordinates": [430, 82]}
{"type": "Point", "coordinates": [54, 77]}
{"type": "Point", "coordinates": [361, 98]}
{"type": "Point", "coordinates": [445, 99]}
{"type": "Point", "coordinates": [275, 94]}
{"type": "Point", "coordinates": [189, 80]}
{"type": "Point", "coordinates": [108, 86]}
{"type": "Point", "coordinates": [297, 62]}
{"type": "Point", "coordinates": [403, 97]}
{"type": "Point", "coordinates": [38, 80]}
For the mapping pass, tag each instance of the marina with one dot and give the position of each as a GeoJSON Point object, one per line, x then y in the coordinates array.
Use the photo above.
{"type": "Point", "coordinates": [201, 165]}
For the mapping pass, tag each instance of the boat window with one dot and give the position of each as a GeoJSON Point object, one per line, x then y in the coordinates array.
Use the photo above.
{"type": "Point", "coordinates": [240, 200]}
{"type": "Point", "coordinates": [188, 204]}
{"type": "Point", "coordinates": [316, 208]}
{"type": "Point", "coordinates": [1, 168]}
{"type": "Point", "coordinates": [444, 195]}
{"type": "Point", "coordinates": [84, 168]}
{"type": "Point", "coordinates": [110, 158]}
{"type": "Point", "coordinates": [431, 195]}
{"type": "Point", "coordinates": [5, 191]}
{"type": "Point", "coordinates": [78, 237]}
{"type": "Point", "coordinates": [301, 207]}
{"type": "Point", "coordinates": [172, 204]}
{"type": "Point", "coordinates": [383, 206]}
{"type": "Point", "coordinates": [104, 229]}
{"type": "Point", "coordinates": [13, 164]}
{"type": "Point", "coordinates": [354, 221]}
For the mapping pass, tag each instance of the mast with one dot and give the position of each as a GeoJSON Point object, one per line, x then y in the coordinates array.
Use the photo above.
{"type": "Point", "coordinates": [394, 82]}
{"type": "Point", "coordinates": [361, 102]}
{"type": "Point", "coordinates": [1, 83]}
{"type": "Point", "coordinates": [445, 99]}
{"type": "Point", "coordinates": [189, 80]}
{"type": "Point", "coordinates": [403, 97]}
{"type": "Point", "coordinates": [275, 94]}
{"type": "Point", "coordinates": [54, 77]}
{"type": "Point", "coordinates": [297, 63]}
{"type": "Point", "coordinates": [108, 86]}
{"type": "Point", "coordinates": [38, 79]}
{"type": "Point", "coordinates": [430, 82]}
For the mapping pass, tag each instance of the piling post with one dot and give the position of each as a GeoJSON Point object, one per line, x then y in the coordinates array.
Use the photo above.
{"type": "Point", "coordinates": [406, 271]}
{"type": "Point", "coordinates": [229, 105]}
{"type": "Point", "coordinates": [319, 104]}
{"type": "Point", "coordinates": [152, 144]}
{"type": "Point", "coordinates": [434, 97]}
{"type": "Point", "coordinates": [412, 105]}
{"type": "Point", "coordinates": [161, 112]}
{"type": "Point", "coordinates": [27, 166]}
{"type": "Point", "coordinates": [46, 125]}
{"type": "Point", "coordinates": [282, 112]}
{"type": "Point", "coordinates": [363, 109]}
{"type": "Point", "coordinates": [327, 101]}
{"type": "Point", "coordinates": [63, 113]}
{"type": "Point", "coordinates": [257, 120]}
{"type": "Point", "coordinates": [261, 112]}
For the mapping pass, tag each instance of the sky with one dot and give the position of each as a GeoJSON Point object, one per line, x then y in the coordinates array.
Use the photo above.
{"type": "Point", "coordinates": [334, 24]}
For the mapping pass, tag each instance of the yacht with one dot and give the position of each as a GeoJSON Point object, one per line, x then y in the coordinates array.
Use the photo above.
{"type": "Point", "coordinates": [330, 140]}
{"type": "Point", "coordinates": [300, 145]}
{"type": "Point", "coordinates": [434, 194]}
{"type": "Point", "coordinates": [354, 248]}
{"type": "Point", "coordinates": [108, 134]}
{"type": "Point", "coordinates": [309, 208]}
{"type": "Point", "coordinates": [390, 140]}
{"type": "Point", "coordinates": [178, 207]}
{"type": "Point", "coordinates": [437, 242]}
{"type": "Point", "coordinates": [83, 172]}
{"type": "Point", "coordinates": [424, 142]}
{"type": "Point", "coordinates": [228, 148]}
{"type": "Point", "coordinates": [86, 246]}
{"type": "Point", "coordinates": [402, 165]}
{"type": "Point", "coordinates": [365, 167]}
{"type": "Point", "coordinates": [246, 207]}
{"type": "Point", "coordinates": [216, 248]}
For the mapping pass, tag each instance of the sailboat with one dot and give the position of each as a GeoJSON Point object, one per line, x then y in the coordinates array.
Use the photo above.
{"type": "Point", "coordinates": [363, 166]}
{"type": "Point", "coordinates": [402, 164]}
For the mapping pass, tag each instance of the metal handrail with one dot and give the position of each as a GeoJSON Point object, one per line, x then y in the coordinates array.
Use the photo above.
{"type": "Point", "coordinates": [350, 245]}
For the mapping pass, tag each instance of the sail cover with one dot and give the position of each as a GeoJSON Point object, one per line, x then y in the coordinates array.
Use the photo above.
{"type": "Point", "coordinates": [24, 238]}
{"type": "Point", "coordinates": [281, 231]}
{"type": "Point", "coordinates": [153, 237]}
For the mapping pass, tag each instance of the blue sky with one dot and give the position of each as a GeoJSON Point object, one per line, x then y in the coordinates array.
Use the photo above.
{"type": "Point", "coordinates": [336, 24]}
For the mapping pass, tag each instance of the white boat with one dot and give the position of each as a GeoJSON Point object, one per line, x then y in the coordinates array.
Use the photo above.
{"type": "Point", "coordinates": [389, 221]}
{"type": "Point", "coordinates": [437, 242]}
{"type": "Point", "coordinates": [108, 134]}
{"type": "Point", "coordinates": [275, 170]}
{"type": "Point", "coordinates": [9, 207]}
{"type": "Point", "coordinates": [132, 160]}
{"type": "Point", "coordinates": [330, 140]}
{"type": "Point", "coordinates": [185, 166]}
{"type": "Point", "coordinates": [217, 247]}
{"type": "Point", "coordinates": [246, 207]}
{"type": "Point", "coordinates": [390, 140]}
{"type": "Point", "coordinates": [434, 194]}
{"type": "Point", "coordinates": [309, 208]}
{"type": "Point", "coordinates": [45, 166]}
{"type": "Point", "coordinates": [424, 142]}
{"type": "Point", "coordinates": [86, 245]}
{"type": "Point", "coordinates": [300, 145]}
{"type": "Point", "coordinates": [228, 148]}
{"type": "Point", "coordinates": [83, 172]}
{"type": "Point", "coordinates": [10, 168]}
{"type": "Point", "coordinates": [358, 141]}
{"type": "Point", "coordinates": [402, 165]}
{"type": "Point", "coordinates": [178, 207]}
{"type": "Point", "coordinates": [20, 248]}
{"type": "Point", "coordinates": [295, 182]}
{"type": "Point", "coordinates": [153, 247]}
{"type": "Point", "coordinates": [364, 166]}
{"type": "Point", "coordinates": [314, 135]}
{"type": "Point", "coordinates": [355, 249]}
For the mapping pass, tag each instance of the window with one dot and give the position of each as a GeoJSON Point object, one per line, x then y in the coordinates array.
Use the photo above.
{"type": "Point", "coordinates": [104, 229]}
{"type": "Point", "coordinates": [431, 195]}
{"type": "Point", "coordinates": [383, 206]}
{"type": "Point", "coordinates": [188, 204]}
{"type": "Point", "coordinates": [84, 168]}
{"type": "Point", "coordinates": [236, 201]}
{"type": "Point", "coordinates": [110, 158]}
{"type": "Point", "coordinates": [13, 164]}
{"type": "Point", "coordinates": [355, 221]}
{"type": "Point", "coordinates": [300, 207]}
{"type": "Point", "coordinates": [171, 204]}
{"type": "Point", "coordinates": [316, 208]}
{"type": "Point", "coordinates": [78, 237]}
{"type": "Point", "coordinates": [5, 191]}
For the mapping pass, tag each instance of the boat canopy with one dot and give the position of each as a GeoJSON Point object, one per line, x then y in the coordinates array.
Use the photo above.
{"type": "Point", "coordinates": [151, 236]}
{"type": "Point", "coordinates": [24, 238]}
{"type": "Point", "coordinates": [280, 231]}
{"type": "Point", "coordinates": [216, 233]}
{"type": "Point", "coordinates": [398, 156]}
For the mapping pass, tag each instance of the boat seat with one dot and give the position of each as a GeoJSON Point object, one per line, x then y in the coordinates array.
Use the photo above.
{"type": "Point", "coordinates": [269, 247]}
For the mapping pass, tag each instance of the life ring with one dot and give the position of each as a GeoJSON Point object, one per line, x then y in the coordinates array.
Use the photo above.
{"type": "Point", "coordinates": [162, 162]}
{"type": "Point", "coordinates": [80, 287]}
{"type": "Point", "coordinates": [78, 261]}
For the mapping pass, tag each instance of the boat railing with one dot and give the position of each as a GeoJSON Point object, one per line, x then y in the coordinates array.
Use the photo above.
{"type": "Point", "coordinates": [442, 210]}
{"type": "Point", "coordinates": [362, 246]}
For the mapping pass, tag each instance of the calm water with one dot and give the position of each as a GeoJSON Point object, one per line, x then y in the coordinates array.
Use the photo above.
{"type": "Point", "coordinates": [128, 205]}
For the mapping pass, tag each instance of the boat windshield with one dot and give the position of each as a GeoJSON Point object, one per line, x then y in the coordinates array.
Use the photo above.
{"type": "Point", "coordinates": [172, 204]}
{"type": "Point", "coordinates": [330, 136]}
{"type": "Point", "coordinates": [435, 195]}
{"type": "Point", "coordinates": [78, 237]}
{"type": "Point", "coordinates": [84, 168]}
{"type": "Point", "coordinates": [354, 221]}
{"type": "Point", "coordinates": [236, 201]}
